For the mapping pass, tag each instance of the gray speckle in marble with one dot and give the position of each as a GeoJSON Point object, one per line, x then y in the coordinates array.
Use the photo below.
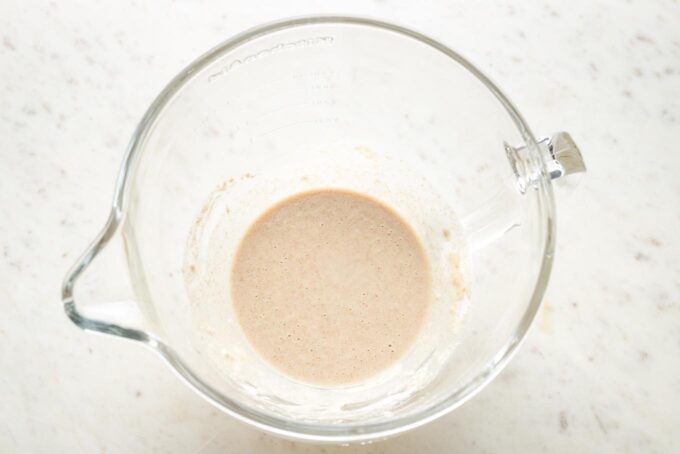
{"type": "Point", "coordinates": [563, 421]}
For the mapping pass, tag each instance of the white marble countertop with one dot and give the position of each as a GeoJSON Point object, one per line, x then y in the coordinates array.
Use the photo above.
{"type": "Point", "coordinates": [600, 370]}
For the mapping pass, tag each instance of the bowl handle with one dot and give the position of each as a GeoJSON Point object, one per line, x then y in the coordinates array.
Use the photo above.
{"type": "Point", "coordinates": [563, 155]}
{"type": "Point", "coordinates": [499, 215]}
{"type": "Point", "coordinates": [103, 261]}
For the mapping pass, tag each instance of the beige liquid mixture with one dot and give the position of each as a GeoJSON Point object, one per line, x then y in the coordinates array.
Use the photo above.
{"type": "Point", "coordinates": [331, 287]}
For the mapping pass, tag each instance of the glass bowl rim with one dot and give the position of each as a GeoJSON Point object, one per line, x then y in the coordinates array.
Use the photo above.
{"type": "Point", "coordinates": [338, 433]}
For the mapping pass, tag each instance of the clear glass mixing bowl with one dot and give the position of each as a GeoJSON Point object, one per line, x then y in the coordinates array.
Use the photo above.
{"type": "Point", "coordinates": [327, 102]}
